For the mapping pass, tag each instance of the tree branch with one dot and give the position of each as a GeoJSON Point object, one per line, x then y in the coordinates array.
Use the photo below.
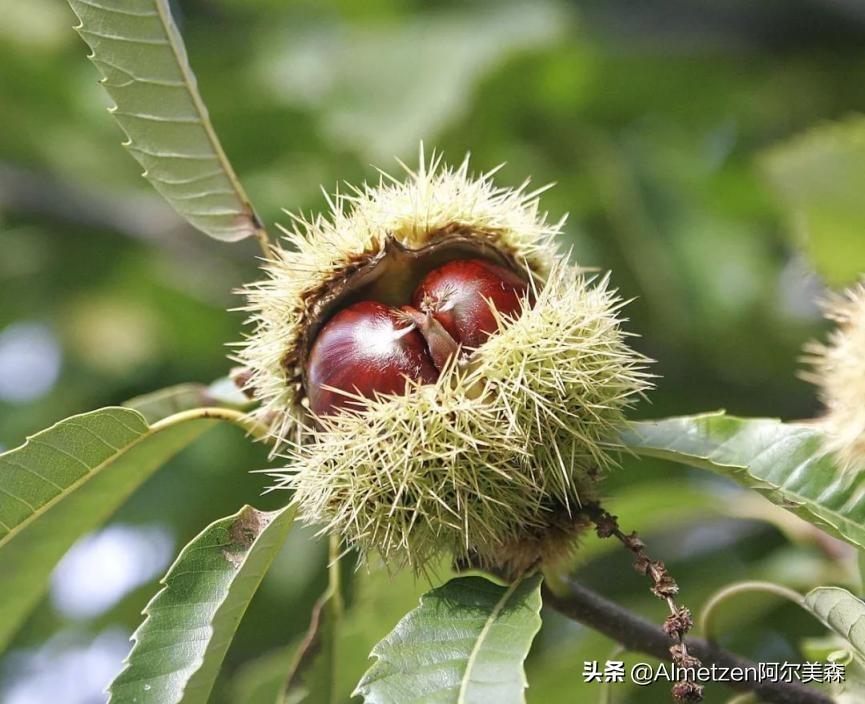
{"type": "Point", "coordinates": [637, 634]}
{"type": "Point", "coordinates": [679, 622]}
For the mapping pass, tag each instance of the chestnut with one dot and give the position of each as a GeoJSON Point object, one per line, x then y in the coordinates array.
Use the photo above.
{"type": "Point", "coordinates": [458, 295]}
{"type": "Point", "coordinates": [364, 349]}
{"type": "Point", "coordinates": [370, 347]}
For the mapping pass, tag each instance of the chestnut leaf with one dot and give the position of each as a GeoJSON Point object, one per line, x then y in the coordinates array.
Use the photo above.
{"type": "Point", "coordinates": [190, 623]}
{"type": "Point", "coordinates": [138, 49]}
{"type": "Point", "coordinates": [786, 462]}
{"type": "Point", "coordinates": [64, 482]}
{"type": "Point", "coordinates": [465, 643]}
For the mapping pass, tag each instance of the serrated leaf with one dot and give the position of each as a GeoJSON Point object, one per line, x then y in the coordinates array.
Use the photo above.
{"type": "Point", "coordinates": [190, 623]}
{"type": "Point", "coordinates": [466, 642]}
{"type": "Point", "coordinates": [380, 600]}
{"type": "Point", "coordinates": [332, 657]}
{"type": "Point", "coordinates": [841, 611]}
{"type": "Point", "coordinates": [185, 397]}
{"type": "Point", "coordinates": [64, 482]}
{"type": "Point", "coordinates": [138, 49]}
{"type": "Point", "coordinates": [820, 177]}
{"type": "Point", "coordinates": [787, 463]}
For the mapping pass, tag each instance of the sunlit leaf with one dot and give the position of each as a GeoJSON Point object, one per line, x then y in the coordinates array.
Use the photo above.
{"type": "Point", "coordinates": [820, 178]}
{"type": "Point", "coordinates": [784, 461]}
{"type": "Point", "coordinates": [64, 482]}
{"type": "Point", "coordinates": [138, 49]}
{"type": "Point", "coordinates": [466, 642]}
{"type": "Point", "coordinates": [190, 623]}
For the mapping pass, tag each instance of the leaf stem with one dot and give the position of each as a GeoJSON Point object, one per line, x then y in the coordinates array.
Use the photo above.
{"type": "Point", "coordinates": [707, 615]}
{"type": "Point", "coordinates": [239, 418]}
{"type": "Point", "coordinates": [263, 240]}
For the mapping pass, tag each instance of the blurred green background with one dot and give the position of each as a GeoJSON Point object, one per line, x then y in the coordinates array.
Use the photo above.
{"type": "Point", "coordinates": [652, 117]}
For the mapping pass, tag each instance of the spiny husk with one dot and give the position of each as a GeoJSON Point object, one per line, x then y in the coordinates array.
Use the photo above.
{"type": "Point", "coordinates": [838, 370]}
{"type": "Point", "coordinates": [324, 249]}
{"type": "Point", "coordinates": [492, 461]}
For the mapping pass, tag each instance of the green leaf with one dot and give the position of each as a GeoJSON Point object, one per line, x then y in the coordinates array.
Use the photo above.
{"type": "Point", "coordinates": [785, 462]}
{"type": "Point", "coordinates": [190, 623]}
{"type": "Point", "coordinates": [842, 612]}
{"type": "Point", "coordinates": [380, 600]}
{"type": "Point", "coordinates": [820, 177]}
{"type": "Point", "coordinates": [184, 397]}
{"type": "Point", "coordinates": [64, 482]}
{"type": "Point", "coordinates": [466, 642]}
{"type": "Point", "coordinates": [345, 637]}
{"type": "Point", "coordinates": [139, 51]}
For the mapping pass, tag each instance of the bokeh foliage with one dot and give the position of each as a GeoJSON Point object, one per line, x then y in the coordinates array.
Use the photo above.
{"type": "Point", "coordinates": [661, 127]}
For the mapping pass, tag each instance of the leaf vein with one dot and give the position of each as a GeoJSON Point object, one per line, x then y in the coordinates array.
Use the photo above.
{"type": "Point", "coordinates": [121, 38]}
{"type": "Point", "coordinates": [116, 10]}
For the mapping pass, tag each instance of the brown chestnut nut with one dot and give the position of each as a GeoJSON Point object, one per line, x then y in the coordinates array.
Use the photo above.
{"type": "Point", "coordinates": [366, 348]}
{"type": "Point", "coordinates": [458, 295]}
